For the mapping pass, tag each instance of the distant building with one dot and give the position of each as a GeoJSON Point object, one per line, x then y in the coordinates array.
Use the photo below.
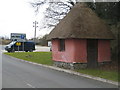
{"type": "Point", "coordinates": [49, 43]}
{"type": "Point", "coordinates": [81, 39]}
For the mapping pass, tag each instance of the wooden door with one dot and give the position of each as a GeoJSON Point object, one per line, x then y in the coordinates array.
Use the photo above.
{"type": "Point", "coordinates": [92, 53]}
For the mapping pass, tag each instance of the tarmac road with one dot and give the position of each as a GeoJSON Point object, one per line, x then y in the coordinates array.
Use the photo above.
{"type": "Point", "coordinates": [17, 74]}
{"type": "Point", "coordinates": [37, 47]}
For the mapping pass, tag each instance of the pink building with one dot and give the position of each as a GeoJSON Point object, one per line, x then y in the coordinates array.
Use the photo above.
{"type": "Point", "coordinates": [81, 39]}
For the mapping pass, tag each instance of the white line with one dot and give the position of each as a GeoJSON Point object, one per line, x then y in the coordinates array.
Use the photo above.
{"type": "Point", "coordinates": [30, 85]}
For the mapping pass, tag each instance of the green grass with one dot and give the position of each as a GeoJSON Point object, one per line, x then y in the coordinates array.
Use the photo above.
{"type": "Point", "coordinates": [38, 57]}
{"type": "Point", "coordinates": [46, 58]}
{"type": "Point", "coordinates": [110, 75]}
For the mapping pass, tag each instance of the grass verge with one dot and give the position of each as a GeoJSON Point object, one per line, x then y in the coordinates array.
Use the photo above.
{"type": "Point", "coordinates": [106, 74]}
{"type": "Point", "coordinates": [45, 58]}
{"type": "Point", "coordinates": [37, 57]}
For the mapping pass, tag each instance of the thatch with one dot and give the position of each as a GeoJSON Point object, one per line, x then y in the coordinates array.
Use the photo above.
{"type": "Point", "coordinates": [81, 22]}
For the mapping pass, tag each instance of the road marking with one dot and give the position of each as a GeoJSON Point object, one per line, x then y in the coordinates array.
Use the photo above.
{"type": "Point", "coordinates": [30, 85]}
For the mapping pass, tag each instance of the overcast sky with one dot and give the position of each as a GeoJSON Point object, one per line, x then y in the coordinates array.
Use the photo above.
{"type": "Point", "coordinates": [17, 16]}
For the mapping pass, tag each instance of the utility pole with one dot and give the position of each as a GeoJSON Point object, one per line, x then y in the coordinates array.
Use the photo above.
{"type": "Point", "coordinates": [35, 25]}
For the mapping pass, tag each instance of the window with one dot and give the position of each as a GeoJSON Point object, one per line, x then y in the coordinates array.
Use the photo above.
{"type": "Point", "coordinates": [61, 45]}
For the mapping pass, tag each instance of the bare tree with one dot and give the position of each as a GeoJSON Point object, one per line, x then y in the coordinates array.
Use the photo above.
{"type": "Point", "coordinates": [54, 12]}
{"type": "Point", "coordinates": [57, 10]}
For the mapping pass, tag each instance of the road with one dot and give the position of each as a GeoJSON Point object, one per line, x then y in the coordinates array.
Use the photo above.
{"type": "Point", "coordinates": [17, 74]}
{"type": "Point", "coordinates": [37, 47]}
{"type": "Point", "coordinates": [41, 48]}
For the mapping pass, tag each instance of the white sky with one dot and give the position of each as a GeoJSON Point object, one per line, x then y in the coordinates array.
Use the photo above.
{"type": "Point", "coordinates": [17, 16]}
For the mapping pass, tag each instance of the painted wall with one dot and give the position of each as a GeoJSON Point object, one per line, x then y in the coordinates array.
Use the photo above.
{"type": "Point", "coordinates": [75, 51]}
{"type": "Point", "coordinates": [80, 50]}
{"type": "Point", "coordinates": [104, 53]}
{"type": "Point", "coordinates": [65, 56]}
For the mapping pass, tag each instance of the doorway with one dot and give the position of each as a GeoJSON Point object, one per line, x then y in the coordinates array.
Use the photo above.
{"type": "Point", "coordinates": [92, 53]}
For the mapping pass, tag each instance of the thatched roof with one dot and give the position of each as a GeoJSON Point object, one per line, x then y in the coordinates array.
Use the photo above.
{"type": "Point", "coordinates": [81, 22]}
